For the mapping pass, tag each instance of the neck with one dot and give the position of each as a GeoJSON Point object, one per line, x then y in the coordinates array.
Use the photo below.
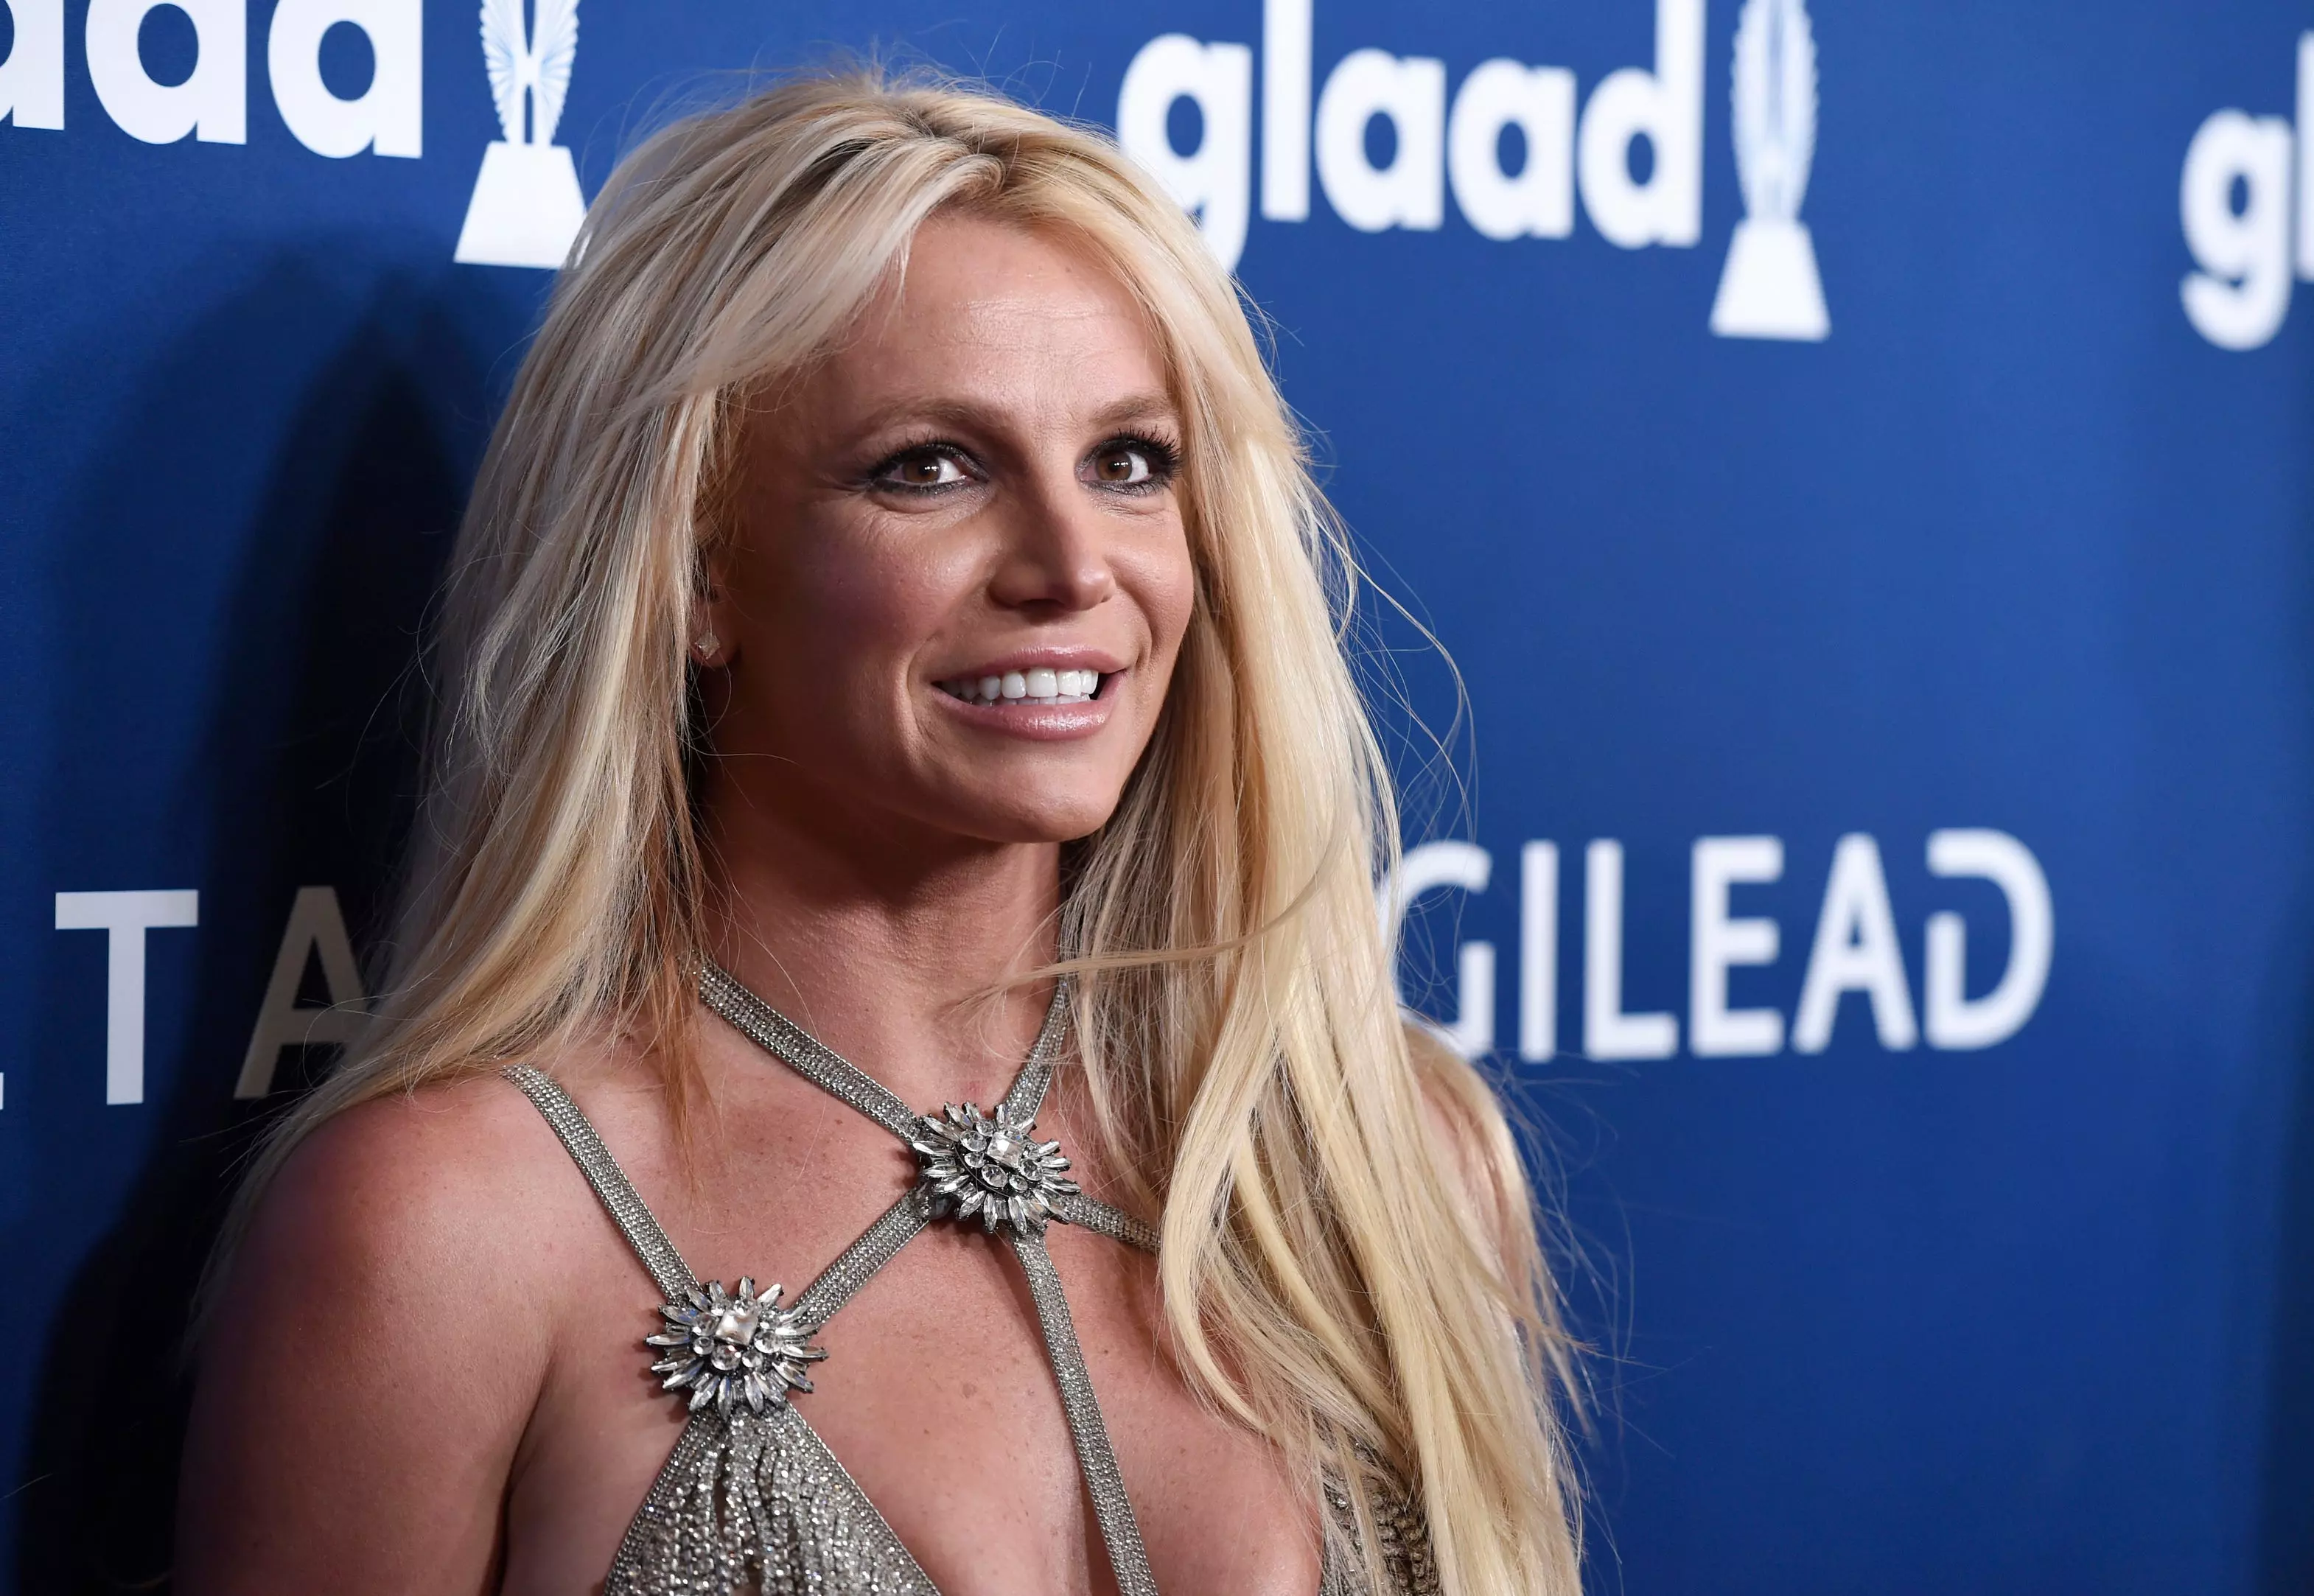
{"type": "Point", "coordinates": [885, 939]}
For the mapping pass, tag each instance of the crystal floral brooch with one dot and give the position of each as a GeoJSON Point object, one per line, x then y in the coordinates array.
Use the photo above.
{"type": "Point", "coordinates": [734, 1347]}
{"type": "Point", "coordinates": [973, 1163]}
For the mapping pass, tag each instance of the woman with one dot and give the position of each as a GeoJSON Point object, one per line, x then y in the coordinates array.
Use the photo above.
{"type": "Point", "coordinates": [894, 598]}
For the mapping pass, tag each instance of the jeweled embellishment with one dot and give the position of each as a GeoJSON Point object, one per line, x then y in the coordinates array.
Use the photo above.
{"type": "Point", "coordinates": [974, 1163]}
{"type": "Point", "coordinates": [733, 1347]}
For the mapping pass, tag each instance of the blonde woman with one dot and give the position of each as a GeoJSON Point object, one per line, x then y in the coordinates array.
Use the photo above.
{"type": "Point", "coordinates": [894, 638]}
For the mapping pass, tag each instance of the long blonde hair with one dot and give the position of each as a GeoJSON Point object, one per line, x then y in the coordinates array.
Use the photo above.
{"type": "Point", "coordinates": [1335, 1276]}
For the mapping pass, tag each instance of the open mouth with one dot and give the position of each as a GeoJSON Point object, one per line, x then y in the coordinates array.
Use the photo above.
{"type": "Point", "coordinates": [1041, 688]}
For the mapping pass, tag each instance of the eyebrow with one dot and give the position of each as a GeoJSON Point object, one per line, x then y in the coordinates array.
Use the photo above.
{"type": "Point", "coordinates": [1137, 407]}
{"type": "Point", "coordinates": [1132, 407]}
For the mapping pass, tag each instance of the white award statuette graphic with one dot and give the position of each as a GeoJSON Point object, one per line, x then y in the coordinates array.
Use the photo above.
{"type": "Point", "coordinates": [527, 206]}
{"type": "Point", "coordinates": [1769, 287]}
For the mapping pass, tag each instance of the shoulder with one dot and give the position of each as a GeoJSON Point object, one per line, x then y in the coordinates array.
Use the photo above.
{"type": "Point", "coordinates": [397, 1282]}
{"type": "Point", "coordinates": [1459, 1107]}
{"type": "Point", "coordinates": [420, 1213]}
{"type": "Point", "coordinates": [460, 1134]}
{"type": "Point", "coordinates": [1470, 1135]}
{"type": "Point", "coordinates": [430, 1181]}
{"type": "Point", "coordinates": [458, 1189]}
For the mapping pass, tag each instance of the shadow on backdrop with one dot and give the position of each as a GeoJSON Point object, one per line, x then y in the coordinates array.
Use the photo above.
{"type": "Point", "coordinates": [2286, 1528]}
{"type": "Point", "coordinates": [305, 777]}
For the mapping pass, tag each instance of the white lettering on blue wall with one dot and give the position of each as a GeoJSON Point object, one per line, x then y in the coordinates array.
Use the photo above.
{"type": "Point", "coordinates": [1434, 141]}
{"type": "Point", "coordinates": [1856, 951]}
{"type": "Point", "coordinates": [212, 102]}
{"type": "Point", "coordinates": [1768, 287]}
{"type": "Point", "coordinates": [316, 931]}
{"type": "Point", "coordinates": [2246, 251]}
{"type": "Point", "coordinates": [125, 917]}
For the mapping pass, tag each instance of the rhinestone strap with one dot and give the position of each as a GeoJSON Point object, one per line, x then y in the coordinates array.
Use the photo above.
{"type": "Point", "coordinates": [832, 1072]}
{"type": "Point", "coordinates": [813, 1059]}
{"type": "Point", "coordinates": [1028, 1090]}
{"type": "Point", "coordinates": [901, 1223]}
{"type": "Point", "coordinates": [781, 1037]}
{"type": "Point", "coordinates": [1121, 1532]}
{"type": "Point", "coordinates": [1401, 1535]}
{"type": "Point", "coordinates": [628, 1209]}
{"type": "Point", "coordinates": [1077, 1209]}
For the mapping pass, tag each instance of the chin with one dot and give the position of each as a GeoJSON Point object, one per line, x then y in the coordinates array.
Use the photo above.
{"type": "Point", "coordinates": [1061, 818]}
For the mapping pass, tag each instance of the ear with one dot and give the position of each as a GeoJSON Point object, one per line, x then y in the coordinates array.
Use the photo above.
{"type": "Point", "coordinates": [714, 637]}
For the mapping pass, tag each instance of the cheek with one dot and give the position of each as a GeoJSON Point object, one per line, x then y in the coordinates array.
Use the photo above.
{"type": "Point", "coordinates": [1167, 582]}
{"type": "Point", "coordinates": [854, 602]}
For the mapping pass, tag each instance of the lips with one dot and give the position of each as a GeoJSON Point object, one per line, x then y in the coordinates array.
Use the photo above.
{"type": "Point", "coordinates": [1044, 695]}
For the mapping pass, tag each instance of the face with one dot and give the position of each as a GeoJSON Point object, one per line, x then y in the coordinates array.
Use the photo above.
{"type": "Point", "coordinates": [958, 575]}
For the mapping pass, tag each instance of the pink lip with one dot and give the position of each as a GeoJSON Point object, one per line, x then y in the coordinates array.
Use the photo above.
{"type": "Point", "coordinates": [1051, 656]}
{"type": "Point", "coordinates": [1035, 723]}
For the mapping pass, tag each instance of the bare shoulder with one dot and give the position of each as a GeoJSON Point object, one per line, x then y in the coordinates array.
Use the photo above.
{"type": "Point", "coordinates": [1459, 1107]}
{"type": "Point", "coordinates": [380, 1342]}
{"type": "Point", "coordinates": [433, 1185]}
{"type": "Point", "coordinates": [460, 1185]}
{"type": "Point", "coordinates": [1472, 1133]}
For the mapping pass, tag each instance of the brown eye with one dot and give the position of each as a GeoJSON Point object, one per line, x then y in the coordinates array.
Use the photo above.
{"type": "Point", "coordinates": [1121, 466]}
{"type": "Point", "coordinates": [923, 468]}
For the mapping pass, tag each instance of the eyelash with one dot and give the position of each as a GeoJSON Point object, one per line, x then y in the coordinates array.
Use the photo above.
{"type": "Point", "coordinates": [879, 475]}
{"type": "Point", "coordinates": [1164, 461]}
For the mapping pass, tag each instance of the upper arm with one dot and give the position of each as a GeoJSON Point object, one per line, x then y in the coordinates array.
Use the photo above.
{"type": "Point", "coordinates": [372, 1362]}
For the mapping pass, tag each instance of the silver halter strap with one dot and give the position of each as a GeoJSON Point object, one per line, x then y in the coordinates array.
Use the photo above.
{"type": "Point", "coordinates": [789, 1042]}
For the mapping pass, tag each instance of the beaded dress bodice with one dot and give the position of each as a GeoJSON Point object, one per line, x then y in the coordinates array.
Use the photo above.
{"type": "Point", "coordinates": [751, 1500]}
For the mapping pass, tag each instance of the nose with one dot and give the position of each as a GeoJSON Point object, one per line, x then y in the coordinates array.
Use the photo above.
{"type": "Point", "coordinates": [1057, 550]}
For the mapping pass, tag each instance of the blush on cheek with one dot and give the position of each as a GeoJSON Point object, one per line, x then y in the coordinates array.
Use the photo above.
{"type": "Point", "coordinates": [848, 619]}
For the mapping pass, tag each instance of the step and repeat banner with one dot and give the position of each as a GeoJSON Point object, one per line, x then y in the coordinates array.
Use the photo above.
{"type": "Point", "coordinates": [1857, 458]}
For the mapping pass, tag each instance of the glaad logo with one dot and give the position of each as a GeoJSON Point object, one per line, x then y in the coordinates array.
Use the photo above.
{"type": "Point", "coordinates": [1438, 146]}
{"type": "Point", "coordinates": [527, 206]}
{"type": "Point", "coordinates": [2240, 296]}
{"type": "Point", "coordinates": [210, 102]}
{"type": "Point", "coordinates": [1770, 289]}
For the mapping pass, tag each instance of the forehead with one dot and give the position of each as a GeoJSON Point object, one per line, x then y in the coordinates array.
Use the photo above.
{"type": "Point", "coordinates": [993, 310]}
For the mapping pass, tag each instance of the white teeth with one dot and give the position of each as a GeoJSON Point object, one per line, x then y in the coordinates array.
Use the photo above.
{"type": "Point", "coordinates": [1039, 686]}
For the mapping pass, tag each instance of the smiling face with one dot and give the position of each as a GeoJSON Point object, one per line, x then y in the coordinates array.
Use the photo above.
{"type": "Point", "coordinates": [957, 574]}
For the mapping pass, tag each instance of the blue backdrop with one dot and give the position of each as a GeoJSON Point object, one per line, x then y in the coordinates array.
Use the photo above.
{"type": "Point", "coordinates": [1858, 460]}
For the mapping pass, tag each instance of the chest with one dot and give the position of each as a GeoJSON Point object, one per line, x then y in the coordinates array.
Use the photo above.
{"type": "Point", "coordinates": [936, 1394]}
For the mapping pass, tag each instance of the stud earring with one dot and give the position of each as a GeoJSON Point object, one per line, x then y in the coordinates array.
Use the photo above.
{"type": "Point", "coordinates": [706, 646]}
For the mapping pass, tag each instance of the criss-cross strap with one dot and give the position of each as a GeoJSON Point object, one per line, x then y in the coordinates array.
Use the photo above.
{"type": "Point", "coordinates": [811, 1058]}
{"type": "Point", "coordinates": [707, 1509]}
{"type": "Point", "coordinates": [760, 1496]}
{"type": "Point", "coordinates": [1120, 1531]}
{"type": "Point", "coordinates": [628, 1210]}
{"type": "Point", "coordinates": [933, 1138]}
{"type": "Point", "coordinates": [838, 1076]}
{"type": "Point", "coordinates": [1102, 1219]}
{"type": "Point", "coordinates": [813, 1307]}
{"type": "Point", "coordinates": [846, 1081]}
{"type": "Point", "coordinates": [858, 1264]}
